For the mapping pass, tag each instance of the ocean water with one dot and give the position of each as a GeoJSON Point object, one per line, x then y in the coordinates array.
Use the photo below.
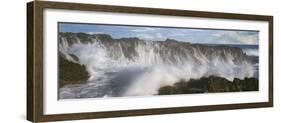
{"type": "Point", "coordinates": [138, 68]}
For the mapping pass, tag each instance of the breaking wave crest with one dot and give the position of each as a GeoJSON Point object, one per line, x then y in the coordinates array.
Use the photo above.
{"type": "Point", "coordinates": [251, 52]}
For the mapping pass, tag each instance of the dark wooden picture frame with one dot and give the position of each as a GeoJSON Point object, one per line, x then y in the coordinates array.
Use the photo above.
{"type": "Point", "coordinates": [35, 60]}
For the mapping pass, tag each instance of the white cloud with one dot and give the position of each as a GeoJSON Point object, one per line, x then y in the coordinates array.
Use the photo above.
{"type": "Point", "coordinates": [216, 34]}
{"type": "Point", "coordinates": [145, 36]}
{"type": "Point", "coordinates": [151, 36]}
{"type": "Point", "coordinates": [159, 36]}
{"type": "Point", "coordinates": [236, 37]}
{"type": "Point", "coordinates": [145, 29]}
{"type": "Point", "coordinates": [93, 32]}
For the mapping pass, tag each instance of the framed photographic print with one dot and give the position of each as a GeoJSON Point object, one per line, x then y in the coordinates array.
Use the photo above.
{"type": "Point", "coordinates": [96, 61]}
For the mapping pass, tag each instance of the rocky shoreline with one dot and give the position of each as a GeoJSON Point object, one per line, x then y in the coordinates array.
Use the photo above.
{"type": "Point", "coordinates": [210, 84]}
{"type": "Point", "coordinates": [71, 72]}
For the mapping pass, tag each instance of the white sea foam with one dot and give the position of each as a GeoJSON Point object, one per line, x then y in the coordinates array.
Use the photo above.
{"type": "Point", "coordinates": [251, 52]}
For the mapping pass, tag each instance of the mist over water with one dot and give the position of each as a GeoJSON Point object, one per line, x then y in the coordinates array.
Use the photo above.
{"type": "Point", "coordinates": [133, 67]}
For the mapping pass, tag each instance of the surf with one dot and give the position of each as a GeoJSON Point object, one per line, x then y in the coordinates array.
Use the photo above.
{"type": "Point", "coordinates": [135, 67]}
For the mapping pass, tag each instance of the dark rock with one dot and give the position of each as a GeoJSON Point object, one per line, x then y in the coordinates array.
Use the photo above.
{"type": "Point", "coordinates": [71, 73]}
{"type": "Point", "coordinates": [210, 84]}
{"type": "Point", "coordinates": [103, 37]}
{"type": "Point", "coordinates": [170, 40]}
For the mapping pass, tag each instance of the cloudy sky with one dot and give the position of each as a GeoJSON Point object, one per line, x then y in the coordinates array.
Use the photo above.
{"type": "Point", "coordinates": [157, 33]}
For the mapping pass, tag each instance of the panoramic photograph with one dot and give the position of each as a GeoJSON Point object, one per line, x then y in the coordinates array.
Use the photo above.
{"type": "Point", "coordinates": [105, 60]}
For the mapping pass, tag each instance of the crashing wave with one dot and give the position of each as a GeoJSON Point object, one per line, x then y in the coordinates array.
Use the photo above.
{"type": "Point", "coordinates": [132, 67]}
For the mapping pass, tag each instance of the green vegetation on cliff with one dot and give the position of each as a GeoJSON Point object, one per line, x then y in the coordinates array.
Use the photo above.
{"type": "Point", "coordinates": [210, 84]}
{"type": "Point", "coordinates": [71, 73]}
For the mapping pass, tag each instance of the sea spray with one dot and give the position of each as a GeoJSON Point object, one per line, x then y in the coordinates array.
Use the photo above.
{"type": "Point", "coordinates": [134, 67]}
